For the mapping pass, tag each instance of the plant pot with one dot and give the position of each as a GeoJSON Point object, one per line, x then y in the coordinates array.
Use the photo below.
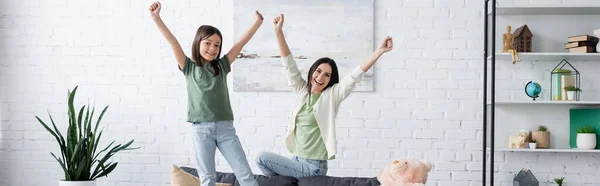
{"type": "Point", "coordinates": [570, 95]}
{"type": "Point", "coordinates": [77, 183]}
{"type": "Point", "coordinates": [532, 145]}
{"type": "Point", "coordinates": [586, 141]}
{"type": "Point", "coordinates": [542, 139]}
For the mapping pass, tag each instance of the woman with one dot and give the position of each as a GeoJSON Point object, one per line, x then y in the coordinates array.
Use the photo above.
{"type": "Point", "coordinates": [311, 137]}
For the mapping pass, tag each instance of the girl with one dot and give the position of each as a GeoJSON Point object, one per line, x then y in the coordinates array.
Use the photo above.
{"type": "Point", "coordinates": [209, 109]}
{"type": "Point", "coordinates": [311, 138]}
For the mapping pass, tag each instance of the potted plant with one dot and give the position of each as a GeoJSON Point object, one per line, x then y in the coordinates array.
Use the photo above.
{"type": "Point", "coordinates": [571, 92]}
{"type": "Point", "coordinates": [542, 137]}
{"type": "Point", "coordinates": [586, 137]}
{"type": "Point", "coordinates": [559, 181]}
{"type": "Point", "coordinates": [79, 156]}
{"type": "Point", "coordinates": [532, 144]}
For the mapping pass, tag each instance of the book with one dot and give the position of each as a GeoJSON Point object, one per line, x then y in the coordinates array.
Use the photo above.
{"type": "Point", "coordinates": [556, 83]}
{"type": "Point", "coordinates": [580, 43]}
{"type": "Point", "coordinates": [582, 38]}
{"type": "Point", "coordinates": [583, 49]}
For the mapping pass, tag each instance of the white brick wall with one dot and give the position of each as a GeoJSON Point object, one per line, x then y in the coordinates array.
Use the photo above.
{"type": "Point", "coordinates": [114, 52]}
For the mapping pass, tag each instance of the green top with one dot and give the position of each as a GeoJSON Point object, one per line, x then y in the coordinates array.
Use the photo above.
{"type": "Point", "coordinates": [309, 143]}
{"type": "Point", "coordinates": [208, 96]}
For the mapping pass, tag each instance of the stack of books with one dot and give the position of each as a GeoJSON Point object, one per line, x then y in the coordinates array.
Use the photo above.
{"type": "Point", "coordinates": [581, 44]}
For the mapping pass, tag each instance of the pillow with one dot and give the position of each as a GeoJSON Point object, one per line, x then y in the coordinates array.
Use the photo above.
{"type": "Point", "coordinates": [180, 177]}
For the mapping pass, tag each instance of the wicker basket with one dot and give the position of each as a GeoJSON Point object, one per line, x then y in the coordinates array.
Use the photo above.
{"type": "Point", "coordinates": [542, 139]}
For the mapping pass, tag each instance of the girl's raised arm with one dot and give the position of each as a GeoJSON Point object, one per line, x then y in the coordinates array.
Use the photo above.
{"type": "Point", "coordinates": [175, 46]}
{"type": "Point", "coordinates": [237, 47]}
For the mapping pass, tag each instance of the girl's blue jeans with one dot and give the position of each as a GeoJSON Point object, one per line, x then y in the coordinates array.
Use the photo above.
{"type": "Point", "coordinates": [220, 134]}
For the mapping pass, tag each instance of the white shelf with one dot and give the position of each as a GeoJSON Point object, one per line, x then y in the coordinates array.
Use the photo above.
{"type": "Point", "coordinates": [543, 102]}
{"type": "Point", "coordinates": [546, 10]}
{"type": "Point", "coordinates": [548, 56]}
{"type": "Point", "coordinates": [544, 150]}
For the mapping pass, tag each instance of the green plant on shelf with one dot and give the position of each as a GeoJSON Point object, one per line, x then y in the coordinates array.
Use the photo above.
{"type": "Point", "coordinates": [586, 129]}
{"type": "Point", "coordinates": [572, 88]}
{"type": "Point", "coordinates": [559, 181]}
{"type": "Point", "coordinates": [542, 128]}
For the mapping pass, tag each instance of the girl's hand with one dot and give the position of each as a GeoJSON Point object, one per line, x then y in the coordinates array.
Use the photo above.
{"type": "Point", "coordinates": [258, 17]}
{"type": "Point", "coordinates": [386, 45]}
{"type": "Point", "coordinates": [155, 9]}
{"type": "Point", "coordinates": [278, 23]}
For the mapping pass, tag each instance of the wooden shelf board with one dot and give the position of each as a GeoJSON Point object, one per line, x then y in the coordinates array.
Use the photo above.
{"type": "Point", "coordinates": [551, 56]}
{"type": "Point", "coordinates": [542, 102]}
{"type": "Point", "coordinates": [546, 10]}
{"type": "Point", "coordinates": [544, 150]}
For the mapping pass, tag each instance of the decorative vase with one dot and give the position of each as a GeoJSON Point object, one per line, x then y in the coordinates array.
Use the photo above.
{"type": "Point", "coordinates": [586, 140]}
{"type": "Point", "coordinates": [532, 145]}
{"type": "Point", "coordinates": [77, 183]}
{"type": "Point", "coordinates": [542, 139]}
{"type": "Point", "coordinates": [571, 95]}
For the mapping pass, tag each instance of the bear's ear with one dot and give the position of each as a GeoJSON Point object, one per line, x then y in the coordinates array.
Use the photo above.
{"type": "Point", "coordinates": [427, 165]}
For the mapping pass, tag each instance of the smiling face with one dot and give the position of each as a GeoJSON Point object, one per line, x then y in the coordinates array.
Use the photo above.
{"type": "Point", "coordinates": [322, 74]}
{"type": "Point", "coordinates": [210, 47]}
{"type": "Point", "coordinates": [207, 44]}
{"type": "Point", "coordinates": [320, 78]}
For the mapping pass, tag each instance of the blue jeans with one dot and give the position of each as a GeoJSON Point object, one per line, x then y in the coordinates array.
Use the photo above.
{"type": "Point", "coordinates": [210, 135]}
{"type": "Point", "coordinates": [272, 164]}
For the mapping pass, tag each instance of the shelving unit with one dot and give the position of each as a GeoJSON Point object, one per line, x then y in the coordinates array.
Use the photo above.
{"type": "Point", "coordinates": [502, 113]}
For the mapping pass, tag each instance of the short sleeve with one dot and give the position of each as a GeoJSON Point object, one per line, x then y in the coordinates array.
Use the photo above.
{"type": "Point", "coordinates": [225, 64]}
{"type": "Point", "coordinates": [187, 67]}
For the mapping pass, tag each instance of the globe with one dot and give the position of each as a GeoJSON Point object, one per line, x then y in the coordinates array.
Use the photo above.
{"type": "Point", "coordinates": [533, 89]}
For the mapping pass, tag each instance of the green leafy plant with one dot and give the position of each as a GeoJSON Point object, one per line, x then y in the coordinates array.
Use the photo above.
{"type": "Point", "coordinates": [572, 88]}
{"type": "Point", "coordinates": [80, 159]}
{"type": "Point", "coordinates": [542, 128]}
{"type": "Point", "coordinates": [559, 181]}
{"type": "Point", "coordinates": [532, 141]}
{"type": "Point", "coordinates": [586, 129]}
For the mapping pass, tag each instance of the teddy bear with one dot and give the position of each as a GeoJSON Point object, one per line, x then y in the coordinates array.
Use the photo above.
{"type": "Point", "coordinates": [518, 141]}
{"type": "Point", "coordinates": [405, 172]}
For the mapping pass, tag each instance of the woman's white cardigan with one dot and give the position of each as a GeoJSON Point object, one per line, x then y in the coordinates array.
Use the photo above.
{"type": "Point", "coordinates": [326, 107]}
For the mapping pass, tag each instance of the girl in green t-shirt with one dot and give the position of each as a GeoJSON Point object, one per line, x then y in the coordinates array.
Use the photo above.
{"type": "Point", "coordinates": [209, 109]}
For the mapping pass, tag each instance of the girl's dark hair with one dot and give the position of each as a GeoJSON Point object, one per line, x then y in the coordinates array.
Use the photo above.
{"type": "Point", "coordinates": [334, 72]}
{"type": "Point", "coordinates": [203, 33]}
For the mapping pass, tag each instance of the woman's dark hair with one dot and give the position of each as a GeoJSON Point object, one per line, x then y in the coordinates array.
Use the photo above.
{"type": "Point", "coordinates": [334, 72]}
{"type": "Point", "coordinates": [203, 33]}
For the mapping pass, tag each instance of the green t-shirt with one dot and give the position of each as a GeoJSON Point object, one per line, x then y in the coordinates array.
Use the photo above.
{"type": "Point", "coordinates": [208, 96]}
{"type": "Point", "coordinates": [309, 143]}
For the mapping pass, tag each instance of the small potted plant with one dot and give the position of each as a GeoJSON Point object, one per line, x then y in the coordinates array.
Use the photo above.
{"type": "Point", "coordinates": [586, 137]}
{"type": "Point", "coordinates": [559, 181]}
{"type": "Point", "coordinates": [532, 144]}
{"type": "Point", "coordinates": [571, 92]}
{"type": "Point", "coordinates": [542, 137]}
